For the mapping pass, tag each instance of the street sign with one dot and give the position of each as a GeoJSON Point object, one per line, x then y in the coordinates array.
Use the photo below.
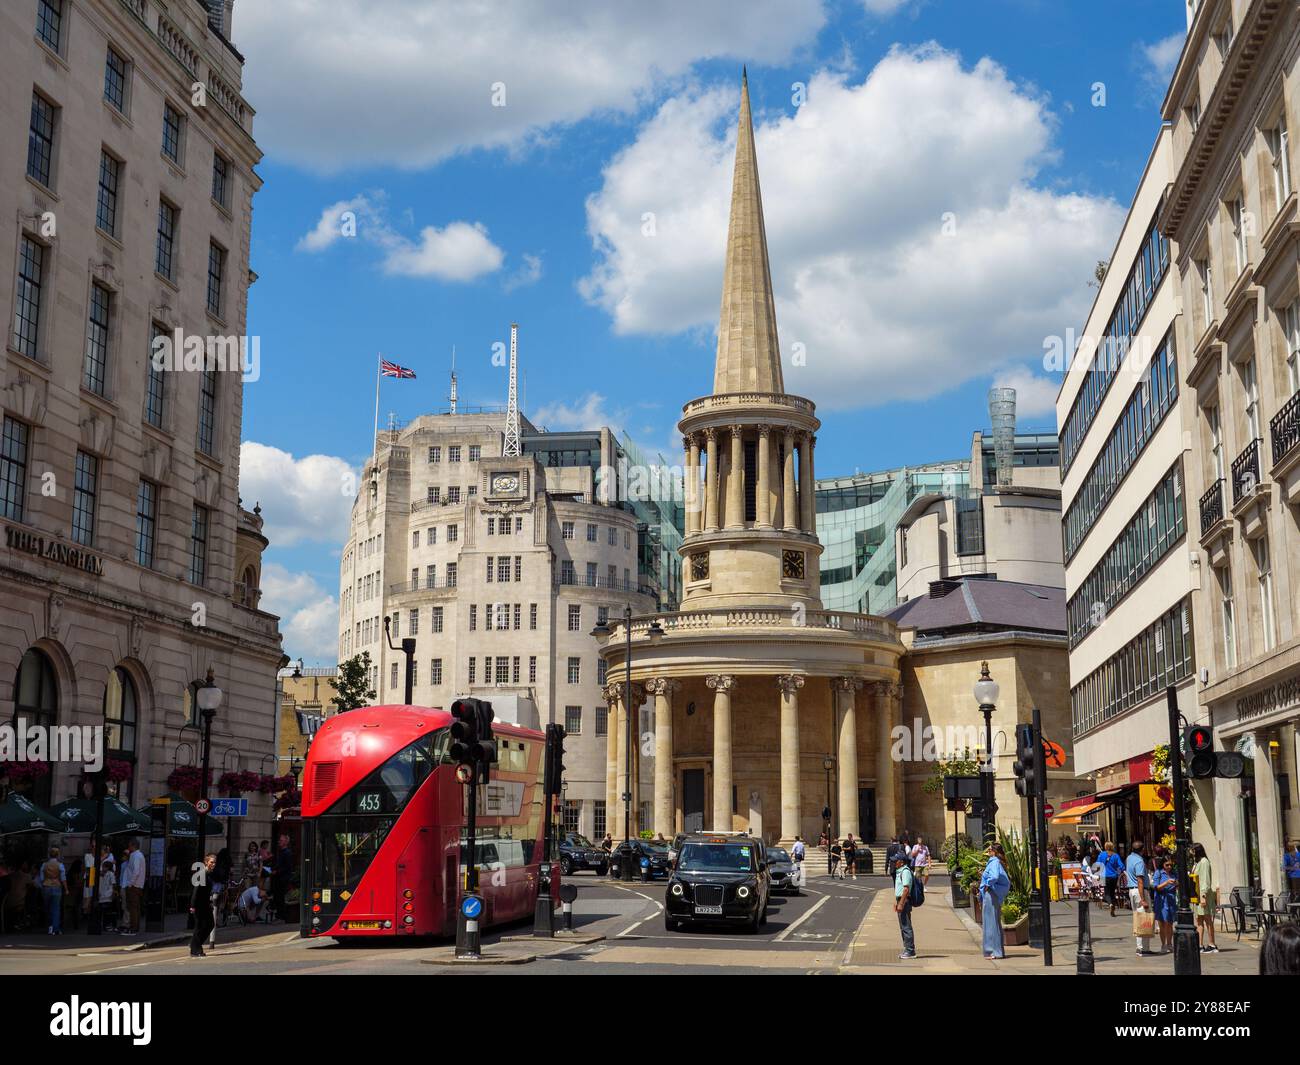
{"type": "Point", "coordinates": [1048, 809]}
{"type": "Point", "coordinates": [1053, 754]}
{"type": "Point", "coordinates": [203, 806]}
{"type": "Point", "coordinates": [229, 807]}
{"type": "Point", "coordinates": [471, 906]}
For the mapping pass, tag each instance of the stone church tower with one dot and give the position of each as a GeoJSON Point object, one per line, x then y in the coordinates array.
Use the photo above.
{"type": "Point", "coordinates": [766, 708]}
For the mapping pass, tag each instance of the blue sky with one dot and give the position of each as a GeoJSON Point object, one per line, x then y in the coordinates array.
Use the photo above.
{"type": "Point", "coordinates": [937, 177]}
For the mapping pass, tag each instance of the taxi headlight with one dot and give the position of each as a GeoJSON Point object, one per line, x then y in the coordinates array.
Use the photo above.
{"type": "Point", "coordinates": [677, 890]}
{"type": "Point", "coordinates": [742, 892]}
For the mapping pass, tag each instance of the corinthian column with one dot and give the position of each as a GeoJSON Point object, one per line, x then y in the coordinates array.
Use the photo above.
{"type": "Point", "coordinates": [790, 797]}
{"type": "Point", "coordinates": [692, 486]}
{"type": "Point", "coordinates": [711, 481]}
{"type": "Point", "coordinates": [886, 813]}
{"type": "Point", "coordinates": [610, 693]}
{"type": "Point", "coordinates": [662, 689]}
{"type": "Point", "coordinates": [722, 686]}
{"type": "Point", "coordinates": [789, 504]}
{"type": "Point", "coordinates": [846, 712]}
{"type": "Point", "coordinates": [736, 480]}
{"type": "Point", "coordinates": [763, 500]}
{"type": "Point", "coordinates": [808, 519]}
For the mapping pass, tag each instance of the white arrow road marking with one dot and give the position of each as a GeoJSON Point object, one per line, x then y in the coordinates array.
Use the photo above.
{"type": "Point", "coordinates": [813, 909]}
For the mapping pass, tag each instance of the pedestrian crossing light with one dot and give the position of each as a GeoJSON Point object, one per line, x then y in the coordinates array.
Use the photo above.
{"type": "Point", "coordinates": [1198, 749]}
{"type": "Point", "coordinates": [472, 742]}
{"type": "Point", "coordinates": [1025, 767]}
{"type": "Point", "coordinates": [554, 774]}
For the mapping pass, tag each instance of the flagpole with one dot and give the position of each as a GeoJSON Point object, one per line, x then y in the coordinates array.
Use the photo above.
{"type": "Point", "coordinates": [379, 362]}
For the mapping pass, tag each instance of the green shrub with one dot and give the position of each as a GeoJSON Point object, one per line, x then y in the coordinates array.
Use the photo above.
{"type": "Point", "coordinates": [1011, 912]}
{"type": "Point", "coordinates": [946, 851]}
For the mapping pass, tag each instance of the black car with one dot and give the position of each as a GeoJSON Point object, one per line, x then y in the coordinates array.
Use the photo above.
{"type": "Point", "coordinates": [781, 871]}
{"type": "Point", "coordinates": [637, 851]}
{"type": "Point", "coordinates": [578, 852]}
{"type": "Point", "coordinates": [717, 880]}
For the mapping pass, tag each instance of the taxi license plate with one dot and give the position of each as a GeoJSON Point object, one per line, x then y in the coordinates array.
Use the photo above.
{"type": "Point", "coordinates": [363, 925]}
{"type": "Point", "coordinates": [708, 909]}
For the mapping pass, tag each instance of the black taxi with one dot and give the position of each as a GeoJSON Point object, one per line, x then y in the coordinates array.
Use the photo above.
{"type": "Point", "coordinates": [717, 879]}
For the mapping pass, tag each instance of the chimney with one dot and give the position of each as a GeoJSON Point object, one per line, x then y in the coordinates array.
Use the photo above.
{"type": "Point", "coordinates": [1002, 415]}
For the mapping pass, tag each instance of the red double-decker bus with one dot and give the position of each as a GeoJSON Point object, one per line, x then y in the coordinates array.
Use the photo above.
{"type": "Point", "coordinates": [384, 825]}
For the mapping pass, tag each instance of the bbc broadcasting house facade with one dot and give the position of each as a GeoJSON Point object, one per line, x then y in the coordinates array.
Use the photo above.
{"type": "Point", "coordinates": [128, 567]}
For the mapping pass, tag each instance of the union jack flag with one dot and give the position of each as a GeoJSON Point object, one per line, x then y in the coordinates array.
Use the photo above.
{"type": "Point", "coordinates": [391, 369]}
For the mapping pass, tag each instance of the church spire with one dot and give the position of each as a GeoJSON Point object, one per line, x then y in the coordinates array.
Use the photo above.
{"type": "Point", "coordinates": [749, 354]}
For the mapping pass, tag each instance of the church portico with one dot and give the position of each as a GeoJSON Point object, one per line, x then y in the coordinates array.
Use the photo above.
{"type": "Point", "coordinates": [767, 708]}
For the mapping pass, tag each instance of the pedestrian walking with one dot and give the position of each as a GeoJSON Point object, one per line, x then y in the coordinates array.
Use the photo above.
{"type": "Point", "coordinates": [253, 864]}
{"type": "Point", "coordinates": [280, 879]}
{"type": "Point", "coordinates": [850, 856]}
{"type": "Point", "coordinates": [1164, 897]}
{"type": "Point", "coordinates": [201, 906]}
{"type": "Point", "coordinates": [836, 852]}
{"type": "Point", "coordinates": [994, 887]}
{"type": "Point", "coordinates": [891, 856]}
{"type": "Point", "coordinates": [1139, 898]}
{"type": "Point", "coordinates": [1291, 866]}
{"type": "Point", "coordinates": [108, 892]}
{"type": "Point", "coordinates": [1279, 954]}
{"type": "Point", "coordinates": [1207, 898]}
{"type": "Point", "coordinates": [220, 881]}
{"type": "Point", "coordinates": [1112, 867]}
{"type": "Point", "coordinates": [54, 879]}
{"type": "Point", "coordinates": [797, 854]}
{"type": "Point", "coordinates": [133, 877]}
{"type": "Point", "coordinates": [921, 860]}
{"type": "Point", "coordinates": [903, 905]}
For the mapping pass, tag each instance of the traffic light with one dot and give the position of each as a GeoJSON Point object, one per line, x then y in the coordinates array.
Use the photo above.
{"type": "Point", "coordinates": [472, 742]}
{"type": "Point", "coordinates": [554, 775]}
{"type": "Point", "coordinates": [1198, 749]}
{"type": "Point", "coordinates": [1025, 767]}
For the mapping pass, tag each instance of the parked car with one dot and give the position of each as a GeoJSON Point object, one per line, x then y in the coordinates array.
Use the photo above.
{"type": "Point", "coordinates": [635, 851]}
{"type": "Point", "coordinates": [781, 871]}
{"type": "Point", "coordinates": [578, 852]}
{"type": "Point", "coordinates": [718, 879]}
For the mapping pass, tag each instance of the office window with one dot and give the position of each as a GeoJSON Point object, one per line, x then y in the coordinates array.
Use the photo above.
{"type": "Point", "coordinates": [435, 672]}
{"type": "Point", "coordinates": [431, 535]}
{"type": "Point", "coordinates": [532, 615]}
{"type": "Point", "coordinates": [474, 452]}
{"type": "Point", "coordinates": [611, 576]}
{"type": "Point", "coordinates": [591, 575]}
{"type": "Point", "coordinates": [431, 494]}
{"type": "Point", "coordinates": [436, 620]}
{"type": "Point", "coordinates": [572, 814]}
{"type": "Point", "coordinates": [435, 454]}
{"type": "Point", "coordinates": [451, 575]}
{"type": "Point", "coordinates": [208, 412]}
{"type": "Point", "coordinates": [115, 70]}
{"type": "Point", "coordinates": [503, 569]}
{"type": "Point", "coordinates": [502, 670]}
{"type": "Point", "coordinates": [1206, 274]}
{"type": "Point", "coordinates": [601, 669]}
{"type": "Point", "coordinates": [216, 277]}
{"type": "Point", "coordinates": [1279, 147]}
{"type": "Point", "coordinates": [566, 530]}
{"type": "Point", "coordinates": [392, 675]}
{"type": "Point", "coordinates": [602, 721]}
{"type": "Point", "coordinates": [471, 670]}
{"type": "Point", "coordinates": [573, 720]}
{"type": "Point", "coordinates": [519, 567]}
{"type": "Point", "coordinates": [453, 494]}
{"type": "Point", "coordinates": [514, 669]}
{"type": "Point", "coordinates": [1216, 440]}
{"type": "Point", "coordinates": [471, 491]}
{"type": "Point", "coordinates": [221, 180]}
{"type": "Point", "coordinates": [110, 172]}
{"type": "Point", "coordinates": [515, 624]}
{"type": "Point", "coordinates": [1237, 213]}
{"type": "Point", "coordinates": [415, 673]}
{"type": "Point", "coordinates": [1250, 399]}
{"type": "Point", "coordinates": [1291, 327]}
{"type": "Point", "coordinates": [575, 618]}
{"type": "Point", "coordinates": [27, 304]}
{"type": "Point", "coordinates": [453, 453]}
{"type": "Point", "coordinates": [602, 615]}
{"type": "Point", "coordinates": [199, 545]}
{"type": "Point", "coordinates": [415, 538]}
{"type": "Point", "coordinates": [598, 819]}
{"type": "Point", "coordinates": [519, 525]}
{"type": "Point", "coordinates": [95, 363]}
{"type": "Point", "coordinates": [566, 571]}
{"type": "Point", "coordinates": [173, 131]}
{"type": "Point", "coordinates": [40, 141]}
{"type": "Point", "coordinates": [473, 616]}
{"type": "Point", "coordinates": [413, 622]}
{"type": "Point", "coordinates": [49, 22]}
{"type": "Point", "coordinates": [1228, 618]}
{"type": "Point", "coordinates": [146, 522]}
{"type": "Point", "coordinates": [1264, 574]}
{"type": "Point", "coordinates": [532, 669]}
{"type": "Point", "coordinates": [85, 486]}
{"type": "Point", "coordinates": [592, 532]}
{"type": "Point", "coordinates": [575, 670]}
{"type": "Point", "coordinates": [13, 469]}
{"type": "Point", "coordinates": [613, 536]}
{"type": "Point", "coordinates": [491, 525]}
{"type": "Point", "coordinates": [164, 258]}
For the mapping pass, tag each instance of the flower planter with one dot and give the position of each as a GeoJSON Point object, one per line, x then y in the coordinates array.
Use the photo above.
{"type": "Point", "coordinates": [1016, 935]}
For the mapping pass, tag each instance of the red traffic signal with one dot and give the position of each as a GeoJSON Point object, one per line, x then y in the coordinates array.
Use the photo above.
{"type": "Point", "coordinates": [1198, 747]}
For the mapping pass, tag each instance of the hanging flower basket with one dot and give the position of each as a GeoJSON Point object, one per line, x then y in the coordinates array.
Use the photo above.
{"type": "Point", "coordinates": [239, 783]}
{"type": "Point", "coordinates": [279, 785]}
{"type": "Point", "coordinates": [290, 800]}
{"type": "Point", "coordinates": [24, 772]}
{"type": "Point", "coordinates": [188, 778]}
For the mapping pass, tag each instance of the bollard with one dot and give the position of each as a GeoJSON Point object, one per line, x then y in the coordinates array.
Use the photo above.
{"type": "Point", "coordinates": [568, 892]}
{"type": "Point", "coordinates": [567, 908]}
{"type": "Point", "coordinates": [1084, 963]}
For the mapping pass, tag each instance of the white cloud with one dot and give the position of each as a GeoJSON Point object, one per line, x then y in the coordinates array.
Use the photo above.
{"type": "Point", "coordinates": [1160, 58]}
{"type": "Point", "coordinates": [460, 251]}
{"type": "Point", "coordinates": [888, 7]}
{"type": "Point", "coordinates": [528, 273]}
{"type": "Point", "coordinates": [309, 615]}
{"type": "Point", "coordinates": [1035, 394]}
{"type": "Point", "coordinates": [887, 301]}
{"type": "Point", "coordinates": [303, 500]}
{"type": "Point", "coordinates": [434, 67]}
{"type": "Point", "coordinates": [587, 413]}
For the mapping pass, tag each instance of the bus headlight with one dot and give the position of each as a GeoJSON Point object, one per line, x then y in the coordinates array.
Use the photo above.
{"type": "Point", "coordinates": [677, 890]}
{"type": "Point", "coordinates": [742, 892]}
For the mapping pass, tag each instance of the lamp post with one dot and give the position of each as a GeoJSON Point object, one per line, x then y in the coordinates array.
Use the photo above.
{"type": "Point", "coordinates": [1187, 957]}
{"type": "Point", "coordinates": [602, 631]}
{"type": "Point", "coordinates": [828, 763]}
{"type": "Point", "coordinates": [986, 695]}
{"type": "Point", "coordinates": [209, 698]}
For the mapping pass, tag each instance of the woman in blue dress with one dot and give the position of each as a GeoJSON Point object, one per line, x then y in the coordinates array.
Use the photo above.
{"type": "Point", "coordinates": [1164, 894]}
{"type": "Point", "coordinates": [994, 888]}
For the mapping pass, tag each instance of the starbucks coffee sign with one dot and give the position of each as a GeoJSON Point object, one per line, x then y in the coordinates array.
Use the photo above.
{"type": "Point", "coordinates": [1279, 696]}
{"type": "Point", "coordinates": [53, 551]}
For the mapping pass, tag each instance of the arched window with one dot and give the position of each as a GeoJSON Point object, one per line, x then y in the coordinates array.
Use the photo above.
{"type": "Point", "coordinates": [120, 713]}
{"type": "Point", "coordinates": [36, 701]}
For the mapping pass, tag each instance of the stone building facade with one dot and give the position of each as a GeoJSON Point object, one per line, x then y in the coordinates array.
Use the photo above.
{"type": "Point", "coordinates": [129, 566]}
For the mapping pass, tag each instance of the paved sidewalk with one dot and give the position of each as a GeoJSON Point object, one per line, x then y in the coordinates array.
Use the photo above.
{"type": "Point", "coordinates": [79, 941]}
{"type": "Point", "coordinates": [949, 941]}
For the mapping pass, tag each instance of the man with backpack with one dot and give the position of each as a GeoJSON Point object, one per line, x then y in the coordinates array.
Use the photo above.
{"type": "Point", "coordinates": [904, 900]}
{"type": "Point", "coordinates": [797, 854]}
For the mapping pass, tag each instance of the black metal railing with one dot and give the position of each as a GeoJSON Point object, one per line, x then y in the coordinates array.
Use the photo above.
{"type": "Point", "coordinates": [1245, 472]}
{"type": "Point", "coordinates": [1285, 429]}
{"type": "Point", "coordinates": [421, 584]}
{"type": "Point", "coordinates": [1212, 506]}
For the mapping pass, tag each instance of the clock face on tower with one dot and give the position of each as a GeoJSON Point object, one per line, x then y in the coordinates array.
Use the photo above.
{"type": "Point", "coordinates": [505, 482]}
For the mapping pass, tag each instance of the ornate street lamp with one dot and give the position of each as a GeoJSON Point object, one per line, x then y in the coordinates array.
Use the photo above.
{"type": "Point", "coordinates": [986, 695]}
{"type": "Point", "coordinates": [208, 696]}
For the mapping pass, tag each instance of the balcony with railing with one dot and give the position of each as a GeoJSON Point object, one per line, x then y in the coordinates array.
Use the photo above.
{"type": "Point", "coordinates": [1245, 472]}
{"type": "Point", "coordinates": [421, 584]}
{"type": "Point", "coordinates": [617, 584]}
{"type": "Point", "coordinates": [1212, 507]}
{"type": "Point", "coordinates": [1284, 429]}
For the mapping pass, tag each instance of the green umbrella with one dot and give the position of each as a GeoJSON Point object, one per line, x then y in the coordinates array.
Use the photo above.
{"type": "Point", "coordinates": [19, 814]}
{"type": "Point", "coordinates": [183, 820]}
{"type": "Point", "coordinates": [78, 815]}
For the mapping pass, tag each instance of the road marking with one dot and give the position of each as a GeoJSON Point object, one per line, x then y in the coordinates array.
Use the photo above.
{"type": "Point", "coordinates": [811, 910]}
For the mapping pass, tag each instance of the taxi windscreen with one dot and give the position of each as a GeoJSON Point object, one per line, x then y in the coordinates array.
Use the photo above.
{"type": "Point", "coordinates": [715, 858]}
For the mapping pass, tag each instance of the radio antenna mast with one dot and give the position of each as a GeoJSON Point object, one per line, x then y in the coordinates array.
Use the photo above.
{"type": "Point", "coordinates": [452, 398]}
{"type": "Point", "coordinates": [511, 444]}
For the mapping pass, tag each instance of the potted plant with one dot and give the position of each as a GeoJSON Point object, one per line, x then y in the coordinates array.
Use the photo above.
{"type": "Point", "coordinates": [1015, 922]}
